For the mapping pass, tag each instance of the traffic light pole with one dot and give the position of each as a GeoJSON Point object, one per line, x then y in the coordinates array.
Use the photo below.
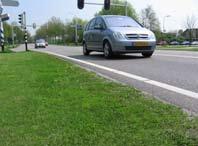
{"type": "Point", "coordinates": [1, 29]}
{"type": "Point", "coordinates": [2, 36]}
{"type": "Point", "coordinates": [26, 42]}
{"type": "Point", "coordinates": [107, 4]}
{"type": "Point", "coordinates": [112, 4]}
{"type": "Point", "coordinates": [25, 29]}
{"type": "Point", "coordinates": [5, 17]}
{"type": "Point", "coordinates": [22, 21]}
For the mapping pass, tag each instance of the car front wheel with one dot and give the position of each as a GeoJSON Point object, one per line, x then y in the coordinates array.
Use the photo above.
{"type": "Point", "coordinates": [107, 50]}
{"type": "Point", "coordinates": [147, 54]}
{"type": "Point", "coordinates": [85, 51]}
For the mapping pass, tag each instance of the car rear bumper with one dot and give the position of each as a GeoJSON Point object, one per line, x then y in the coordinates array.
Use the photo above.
{"type": "Point", "coordinates": [40, 46]}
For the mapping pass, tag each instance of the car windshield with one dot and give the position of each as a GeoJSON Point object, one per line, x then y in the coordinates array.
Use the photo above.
{"type": "Point", "coordinates": [40, 41]}
{"type": "Point", "coordinates": [121, 21]}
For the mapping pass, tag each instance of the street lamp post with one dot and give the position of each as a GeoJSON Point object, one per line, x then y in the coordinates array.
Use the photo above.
{"type": "Point", "coordinates": [12, 35]}
{"type": "Point", "coordinates": [126, 8]}
{"type": "Point", "coordinates": [76, 31]}
{"type": "Point", "coordinates": [164, 19]}
{"type": "Point", "coordinates": [75, 26]}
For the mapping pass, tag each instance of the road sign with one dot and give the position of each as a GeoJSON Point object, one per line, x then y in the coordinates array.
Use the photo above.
{"type": "Point", "coordinates": [4, 17]}
{"type": "Point", "coordinates": [12, 3]}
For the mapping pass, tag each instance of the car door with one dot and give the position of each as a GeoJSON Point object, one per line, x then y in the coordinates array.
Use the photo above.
{"type": "Point", "coordinates": [99, 33]}
{"type": "Point", "coordinates": [90, 35]}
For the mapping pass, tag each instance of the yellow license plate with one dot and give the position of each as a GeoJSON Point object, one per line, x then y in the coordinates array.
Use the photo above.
{"type": "Point", "coordinates": [142, 44]}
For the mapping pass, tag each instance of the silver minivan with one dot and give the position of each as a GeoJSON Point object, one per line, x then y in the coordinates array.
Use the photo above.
{"type": "Point", "coordinates": [114, 34]}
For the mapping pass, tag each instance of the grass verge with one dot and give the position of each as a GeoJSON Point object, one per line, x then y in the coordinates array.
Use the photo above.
{"type": "Point", "coordinates": [178, 48]}
{"type": "Point", "coordinates": [46, 101]}
{"type": "Point", "coordinates": [8, 48]}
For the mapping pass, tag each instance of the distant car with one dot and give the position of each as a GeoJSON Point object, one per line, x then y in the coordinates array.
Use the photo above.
{"type": "Point", "coordinates": [185, 43]}
{"type": "Point", "coordinates": [113, 34]}
{"type": "Point", "coordinates": [40, 43]}
{"type": "Point", "coordinates": [194, 43]}
{"type": "Point", "coordinates": [162, 43]}
{"type": "Point", "coordinates": [174, 43]}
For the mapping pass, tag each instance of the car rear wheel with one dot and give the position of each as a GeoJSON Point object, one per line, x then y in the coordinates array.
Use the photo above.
{"type": "Point", "coordinates": [85, 51]}
{"type": "Point", "coordinates": [147, 54]}
{"type": "Point", "coordinates": [107, 50]}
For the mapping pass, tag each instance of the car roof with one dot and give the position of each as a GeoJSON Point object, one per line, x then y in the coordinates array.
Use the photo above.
{"type": "Point", "coordinates": [39, 40]}
{"type": "Point", "coordinates": [106, 16]}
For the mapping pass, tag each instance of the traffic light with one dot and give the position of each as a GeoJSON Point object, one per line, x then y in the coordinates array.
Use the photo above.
{"type": "Point", "coordinates": [21, 19]}
{"type": "Point", "coordinates": [34, 25]}
{"type": "Point", "coordinates": [107, 4]}
{"type": "Point", "coordinates": [25, 36]}
{"type": "Point", "coordinates": [81, 4]}
{"type": "Point", "coordinates": [26, 40]}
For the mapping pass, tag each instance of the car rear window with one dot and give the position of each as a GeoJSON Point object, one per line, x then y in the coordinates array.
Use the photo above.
{"type": "Point", "coordinates": [40, 41]}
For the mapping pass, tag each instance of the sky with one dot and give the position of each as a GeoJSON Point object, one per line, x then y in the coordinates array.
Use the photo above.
{"type": "Point", "coordinates": [40, 11]}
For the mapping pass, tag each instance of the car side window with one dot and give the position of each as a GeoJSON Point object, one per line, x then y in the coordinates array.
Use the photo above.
{"type": "Point", "coordinates": [86, 27]}
{"type": "Point", "coordinates": [92, 24]}
{"type": "Point", "coordinates": [99, 21]}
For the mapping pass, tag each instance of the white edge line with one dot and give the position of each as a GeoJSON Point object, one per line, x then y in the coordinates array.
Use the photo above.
{"type": "Point", "coordinates": [139, 78]}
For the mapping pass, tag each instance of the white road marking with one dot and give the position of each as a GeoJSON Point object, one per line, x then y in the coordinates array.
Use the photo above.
{"type": "Point", "coordinates": [132, 76]}
{"type": "Point", "coordinates": [178, 56]}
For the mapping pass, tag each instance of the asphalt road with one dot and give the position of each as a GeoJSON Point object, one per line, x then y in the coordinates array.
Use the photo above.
{"type": "Point", "coordinates": [171, 76]}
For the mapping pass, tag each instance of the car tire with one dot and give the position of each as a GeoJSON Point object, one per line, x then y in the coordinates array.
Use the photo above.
{"type": "Point", "coordinates": [147, 54]}
{"type": "Point", "coordinates": [86, 52]}
{"type": "Point", "coordinates": [107, 50]}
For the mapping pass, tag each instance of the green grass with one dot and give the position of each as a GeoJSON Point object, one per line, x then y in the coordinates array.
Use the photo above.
{"type": "Point", "coordinates": [178, 48]}
{"type": "Point", "coordinates": [45, 101]}
{"type": "Point", "coordinates": [8, 48]}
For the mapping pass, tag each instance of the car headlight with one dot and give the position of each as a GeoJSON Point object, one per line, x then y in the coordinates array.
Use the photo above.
{"type": "Point", "coordinates": [152, 36]}
{"type": "Point", "coordinates": [118, 36]}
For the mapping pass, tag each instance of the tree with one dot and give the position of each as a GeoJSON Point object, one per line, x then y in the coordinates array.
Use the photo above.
{"type": "Point", "coordinates": [190, 24]}
{"type": "Point", "coordinates": [70, 29]}
{"type": "Point", "coordinates": [7, 32]}
{"type": "Point", "coordinates": [53, 30]}
{"type": "Point", "coordinates": [118, 10]}
{"type": "Point", "coordinates": [149, 19]}
{"type": "Point", "coordinates": [19, 38]}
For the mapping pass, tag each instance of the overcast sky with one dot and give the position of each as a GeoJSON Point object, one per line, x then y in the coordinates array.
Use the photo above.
{"type": "Point", "coordinates": [39, 11]}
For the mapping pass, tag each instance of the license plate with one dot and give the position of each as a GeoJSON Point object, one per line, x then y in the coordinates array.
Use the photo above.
{"type": "Point", "coordinates": [142, 44]}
